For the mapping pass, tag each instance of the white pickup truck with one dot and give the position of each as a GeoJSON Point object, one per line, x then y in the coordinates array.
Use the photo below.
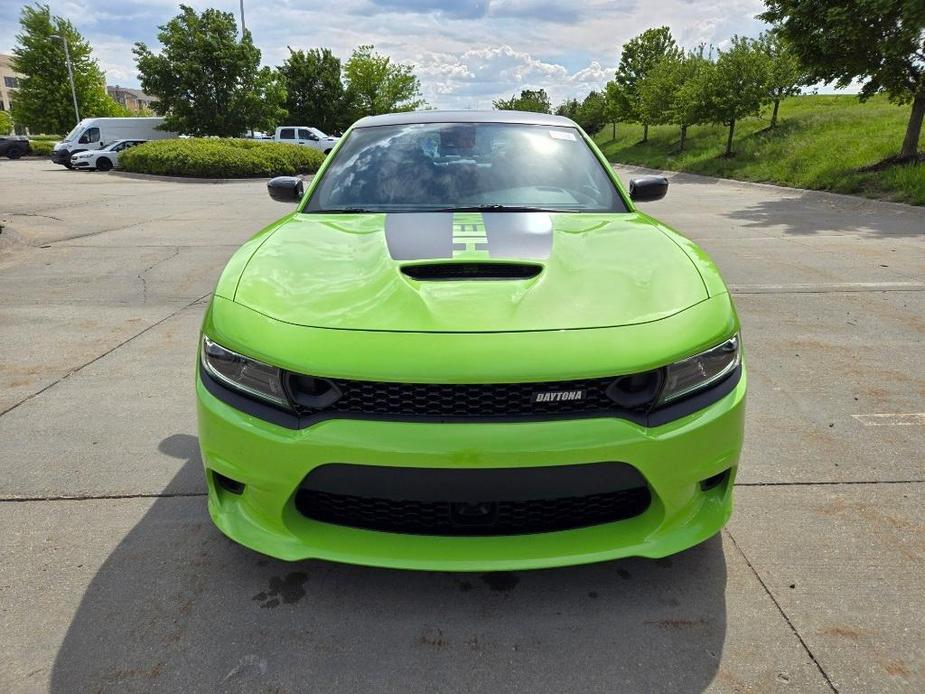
{"type": "Point", "coordinates": [305, 136]}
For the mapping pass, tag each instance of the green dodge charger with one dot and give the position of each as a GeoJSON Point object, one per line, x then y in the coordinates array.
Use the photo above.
{"type": "Point", "coordinates": [466, 349]}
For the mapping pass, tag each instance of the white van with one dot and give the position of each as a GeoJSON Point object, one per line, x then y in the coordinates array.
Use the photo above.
{"type": "Point", "coordinates": [96, 133]}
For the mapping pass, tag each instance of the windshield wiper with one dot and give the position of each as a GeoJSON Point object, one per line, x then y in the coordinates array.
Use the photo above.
{"type": "Point", "coordinates": [465, 208]}
{"type": "Point", "coordinates": [498, 208]}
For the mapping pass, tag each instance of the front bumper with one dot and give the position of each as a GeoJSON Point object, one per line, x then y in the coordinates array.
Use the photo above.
{"type": "Point", "coordinates": [82, 164]}
{"type": "Point", "coordinates": [61, 156]}
{"type": "Point", "coordinates": [271, 461]}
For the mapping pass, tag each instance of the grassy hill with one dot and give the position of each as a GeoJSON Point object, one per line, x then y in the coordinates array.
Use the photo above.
{"type": "Point", "coordinates": [820, 142]}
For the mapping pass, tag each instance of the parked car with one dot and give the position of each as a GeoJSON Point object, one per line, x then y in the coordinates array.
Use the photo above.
{"type": "Point", "coordinates": [468, 350]}
{"type": "Point", "coordinates": [305, 136]}
{"type": "Point", "coordinates": [96, 133]}
{"type": "Point", "coordinates": [103, 159]}
{"type": "Point", "coordinates": [14, 146]}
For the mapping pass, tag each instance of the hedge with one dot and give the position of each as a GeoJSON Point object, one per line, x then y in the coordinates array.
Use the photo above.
{"type": "Point", "coordinates": [41, 148]}
{"type": "Point", "coordinates": [220, 158]}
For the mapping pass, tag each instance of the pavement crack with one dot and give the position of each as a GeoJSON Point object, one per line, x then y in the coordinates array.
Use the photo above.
{"type": "Point", "coordinates": [96, 497]}
{"type": "Point", "coordinates": [104, 354]}
{"type": "Point", "coordinates": [36, 214]}
{"type": "Point", "coordinates": [141, 275]}
{"type": "Point", "coordinates": [783, 614]}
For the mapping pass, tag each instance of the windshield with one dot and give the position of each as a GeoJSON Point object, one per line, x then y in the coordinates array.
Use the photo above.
{"type": "Point", "coordinates": [71, 135]}
{"type": "Point", "coordinates": [462, 166]}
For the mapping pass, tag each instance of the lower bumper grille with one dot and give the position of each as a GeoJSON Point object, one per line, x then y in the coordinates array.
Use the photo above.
{"type": "Point", "coordinates": [508, 501]}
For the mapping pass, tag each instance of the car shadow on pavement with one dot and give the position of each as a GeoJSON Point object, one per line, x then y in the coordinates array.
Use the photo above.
{"type": "Point", "coordinates": [807, 213]}
{"type": "Point", "coordinates": [178, 607]}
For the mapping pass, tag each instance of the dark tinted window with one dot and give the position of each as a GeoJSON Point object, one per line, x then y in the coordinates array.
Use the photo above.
{"type": "Point", "coordinates": [90, 135]}
{"type": "Point", "coordinates": [287, 134]}
{"type": "Point", "coordinates": [464, 165]}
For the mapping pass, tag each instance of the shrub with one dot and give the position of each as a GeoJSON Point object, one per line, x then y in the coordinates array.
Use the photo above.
{"type": "Point", "coordinates": [41, 148]}
{"type": "Point", "coordinates": [220, 158]}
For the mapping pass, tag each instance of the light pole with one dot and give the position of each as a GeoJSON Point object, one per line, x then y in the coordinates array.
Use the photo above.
{"type": "Point", "coordinates": [242, 19]}
{"type": "Point", "coordinates": [70, 72]}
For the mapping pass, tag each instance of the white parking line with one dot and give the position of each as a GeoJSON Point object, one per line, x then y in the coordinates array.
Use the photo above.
{"type": "Point", "coordinates": [891, 420]}
{"type": "Point", "coordinates": [826, 287]}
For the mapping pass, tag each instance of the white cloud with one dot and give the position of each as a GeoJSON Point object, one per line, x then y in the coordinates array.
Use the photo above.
{"type": "Point", "coordinates": [473, 78]}
{"type": "Point", "coordinates": [466, 54]}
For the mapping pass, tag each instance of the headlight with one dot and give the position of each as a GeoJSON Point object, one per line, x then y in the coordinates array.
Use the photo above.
{"type": "Point", "coordinates": [242, 373]}
{"type": "Point", "coordinates": [700, 371]}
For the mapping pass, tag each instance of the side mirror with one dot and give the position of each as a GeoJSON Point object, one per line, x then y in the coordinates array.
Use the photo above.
{"type": "Point", "coordinates": [285, 188]}
{"type": "Point", "coordinates": [648, 188]}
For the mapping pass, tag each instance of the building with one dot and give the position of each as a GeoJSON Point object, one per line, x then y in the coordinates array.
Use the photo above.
{"type": "Point", "coordinates": [9, 81]}
{"type": "Point", "coordinates": [132, 99]}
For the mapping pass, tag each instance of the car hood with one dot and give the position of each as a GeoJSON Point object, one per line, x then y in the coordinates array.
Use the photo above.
{"type": "Point", "coordinates": [350, 271]}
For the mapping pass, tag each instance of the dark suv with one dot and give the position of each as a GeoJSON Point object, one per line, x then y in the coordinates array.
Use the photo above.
{"type": "Point", "coordinates": [14, 146]}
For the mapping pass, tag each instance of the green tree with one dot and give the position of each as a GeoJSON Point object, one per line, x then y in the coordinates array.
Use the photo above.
{"type": "Point", "coordinates": [657, 90]}
{"type": "Point", "coordinates": [43, 99]}
{"type": "Point", "coordinates": [535, 100]}
{"type": "Point", "coordinates": [569, 108]}
{"type": "Point", "coordinates": [206, 80]}
{"type": "Point", "coordinates": [592, 113]}
{"type": "Point", "coordinates": [785, 73]}
{"type": "Point", "coordinates": [377, 85]}
{"type": "Point", "coordinates": [314, 90]}
{"type": "Point", "coordinates": [6, 123]}
{"type": "Point", "coordinates": [616, 106]}
{"type": "Point", "coordinates": [879, 42]}
{"type": "Point", "coordinates": [640, 55]}
{"type": "Point", "coordinates": [738, 86]}
{"type": "Point", "coordinates": [676, 90]}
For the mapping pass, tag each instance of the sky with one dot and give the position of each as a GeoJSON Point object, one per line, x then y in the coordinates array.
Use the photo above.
{"type": "Point", "coordinates": [465, 52]}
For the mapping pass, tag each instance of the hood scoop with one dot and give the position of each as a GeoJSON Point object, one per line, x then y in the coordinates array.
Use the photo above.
{"type": "Point", "coordinates": [454, 271]}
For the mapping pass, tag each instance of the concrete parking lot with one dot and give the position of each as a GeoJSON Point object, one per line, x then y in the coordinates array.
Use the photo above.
{"type": "Point", "coordinates": [112, 577]}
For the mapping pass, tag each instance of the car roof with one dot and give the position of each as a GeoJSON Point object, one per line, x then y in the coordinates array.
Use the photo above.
{"type": "Point", "coordinates": [416, 117]}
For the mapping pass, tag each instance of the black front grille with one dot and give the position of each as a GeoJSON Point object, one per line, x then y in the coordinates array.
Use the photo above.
{"type": "Point", "coordinates": [467, 518]}
{"type": "Point", "coordinates": [469, 401]}
{"type": "Point", "coordinates": [473, 502]}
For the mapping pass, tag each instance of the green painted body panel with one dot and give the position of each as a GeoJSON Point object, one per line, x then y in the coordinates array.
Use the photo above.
{"type": "Point", "coordinates": [504, 357]}
{"type": "Point", "coordinates": [618, 294]}
{"type": "Point", "coordinates": [335, 271]}
{"type": "Point", "coordinates": [272, 461]}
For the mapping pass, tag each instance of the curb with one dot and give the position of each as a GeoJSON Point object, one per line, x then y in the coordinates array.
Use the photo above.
{"type": "Point", "coordinates": [183, 179]}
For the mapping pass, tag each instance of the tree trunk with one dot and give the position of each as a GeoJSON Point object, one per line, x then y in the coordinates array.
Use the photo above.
{"type": "Point", "coordinates": [613, 131]}
{"type": "Point", "coordinates": [774, 113]}
{"type": "Point", "coordinates": [732, 127]}
{"type": "Point", "coordinates": [683, 138]}
{"type": "Point", "coordinates": [645, 132]}
{"type": "Point", "coordinates": [914, 128]}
